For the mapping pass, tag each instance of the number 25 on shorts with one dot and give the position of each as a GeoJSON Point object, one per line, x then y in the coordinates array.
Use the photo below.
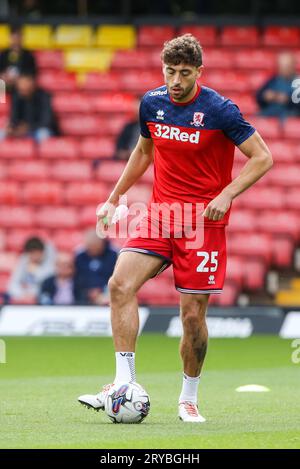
{"type": "Point", "coordinates": [208, 257]}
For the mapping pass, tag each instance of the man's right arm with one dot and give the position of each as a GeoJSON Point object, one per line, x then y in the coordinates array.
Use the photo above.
{"type": "Point", "coordinates": [140, 159]}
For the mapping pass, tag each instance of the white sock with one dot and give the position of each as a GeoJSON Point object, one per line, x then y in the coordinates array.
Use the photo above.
{"type": "Point", "coordinates": [125, 367]}
{"type": "Point", "coordinates": [189, 391]}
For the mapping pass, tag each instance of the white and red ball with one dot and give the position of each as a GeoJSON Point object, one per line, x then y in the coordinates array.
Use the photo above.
{"type": "Point", "coordinates": [127, 403]}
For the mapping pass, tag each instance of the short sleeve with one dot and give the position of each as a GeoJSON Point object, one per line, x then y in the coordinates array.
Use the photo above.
{"type": "Point", "coordinates": [143, 120]}
{"type": "Point", "coordinates": [233, 123]}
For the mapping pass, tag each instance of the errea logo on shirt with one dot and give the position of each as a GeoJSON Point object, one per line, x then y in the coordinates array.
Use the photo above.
{"type": "Point", "coordinates": [174, 133]}
{"type": "Point", "coordinates": [160, 114]}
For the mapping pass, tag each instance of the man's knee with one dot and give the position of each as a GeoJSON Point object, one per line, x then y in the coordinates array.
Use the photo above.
{"type": "Point", "coordinates": [120, 287]}
{"type": "Point", "coordinates": [193, 312]}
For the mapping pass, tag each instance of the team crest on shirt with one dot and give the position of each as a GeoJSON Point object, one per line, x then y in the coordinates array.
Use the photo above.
{"type": "Point", "coordinates": [198, 119]}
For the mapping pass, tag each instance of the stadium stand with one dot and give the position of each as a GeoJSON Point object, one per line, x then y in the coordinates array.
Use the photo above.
{"type": "Point", "coordinates": [95, 76]}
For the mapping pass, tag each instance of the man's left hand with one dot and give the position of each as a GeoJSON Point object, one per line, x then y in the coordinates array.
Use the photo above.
{"type": "Point", "coordinates": [217, 207]}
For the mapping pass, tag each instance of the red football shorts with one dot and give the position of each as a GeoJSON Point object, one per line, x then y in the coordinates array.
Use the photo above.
{"type": "Point", "coordinates": [199, 262]}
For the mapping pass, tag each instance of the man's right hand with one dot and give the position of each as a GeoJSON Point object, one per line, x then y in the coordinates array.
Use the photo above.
{"type": "Point", "coordinates": [104, 213]}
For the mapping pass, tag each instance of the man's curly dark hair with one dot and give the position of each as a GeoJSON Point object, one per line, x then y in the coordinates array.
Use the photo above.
{"type": "Point", "coordinates": [182, 49]}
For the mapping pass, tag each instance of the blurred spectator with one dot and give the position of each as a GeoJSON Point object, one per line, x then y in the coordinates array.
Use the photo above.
{"type": "Point", "coordinates": [30, 9]}
{"type": "Point", "coordinates": [275, 97]}
{"type": "Point", "coordinates": [31, 111]}
{"type": "Point", "coordinates": [4, 8]}
{"type": "Point", "coordinates": [128, 136]}
{"type": "Point", "coordinates": [93, 268]}
{"type": "Point", "coordinates": [59, 289]}
{"type": "Point", "coordinates": [15, 60]}
{"type": "Point", "coordinates": [35, 264]}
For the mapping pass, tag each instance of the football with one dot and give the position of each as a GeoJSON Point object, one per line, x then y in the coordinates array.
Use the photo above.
{"type": "Point", "coordinates": [127, 403]}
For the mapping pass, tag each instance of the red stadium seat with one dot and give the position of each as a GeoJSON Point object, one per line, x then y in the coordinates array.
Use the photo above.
{"type": "Point", "coordinates": [239, 157]}
{"type": "Point", "coordinates": [28, 170]}
{"type": "Point", "coordinates": [139, 193]}
{"type": "Point", "coordinates": [268, 127]}
{"type": "Point", "coordinates": [237, 167]}
{"type": "Point", "coordinates": [254, 274]}
{"type": "Point", "coordinates": [292, 128]}
{"type": "Point", "coordinates": [285, 176]}
{"type": "Point", "coordinates": [239, 36]}
{"type": "Point", "coordinates": [167, 274]}
{"type": "Point", "coordinates": [148, 176]}
{"type": "Point", "coordinates": [141, 81]}
{"type": "Point", "coordinates": [57, 217]}
{"type": "Point", "coordinates": [17, 148]}
{"type": "Point", "coordinates": [16, 217]}
{"type": "Point", "coordinates": [282, 151]}
{"type": "Point", "coordinates": [3, 170]}
{"type": "Point", "coordinates": [51, 59]}
{"type": "Point", "coordinates": [8, 261]}
{"type": "Point", "coordinates": [83, 193]}
{"type": "Point", "coordinates": [87, 216]}
{"type": "Point", "coordinates": [71, 170]}
{"type": "Point", "coordinates": [3, 121]}
{"type": "Point", "coordinates": [59, 147]}
{"type": "Point", "coordinates": [43, 193]}
{"type": "Point", "coordinates": [4, 279]}
{"type": "Point", "coordinates": [67, 240]}
{"type": "Point", "coordinates": [227, 297]}
{"type": "Point", "coordinates": [57, 80]}
{"type": "Point", "coordinates": [113, 126]}
{"type": "Point", "coordinates": [296, 149]}
{"type": "Point", "coordinates": [206, 35]}
{"type": "Point", "coordinates": [109, 172]}
{"type": "Point", "coordinates": [9, 193]}
{"type": "Point", "coordinates": [158, 291]}
{"type": "Point", "coordinates": [72, 102]}
{"type": "Point", "coordinates": [246, 102]}
{"type": "Point", "coordinates": [252, 245]}
{"type": "Point", "coordinates": [284, 223]}
{"type": "Point", "coordinates": [217, 58]}
{"type": "Point", "coordinates": [155, 35]}
{"type": "Point", "coordinates": [283, 249]}
{"type": "Point", "coordinates": [80, 125]}
{"type": "Point", "coordinates": [263, 182]}
{"type": "Point", "coordinates": [292, 198]}
{"type": "Point", "coordinates": [5, 108]}
{"type": "Point", "coordinates": [281, 36]}
{"type": "Point", "coordinates": [97, 147]}
{"type": "Point", "coordinates": [263, 198]}
{"type": "Point", "coordinates": [257, 79]}
{"type": "Point", "coordinates": [114, 103]}
{"type": "Point", "coordinates": [3, 240]}
{"type": "Point", "coordinates": [235, 270]}
{"type": "Point", "coordinates": [242, 221]}
{"type": "Point", "coordinates": [254, 59]}
{"type": "Point", "coordinates": [16, 237]}
{"type": "Point", "coordinates": [132, 59]}
{"type": "Point", "coordinates": [154, 59]}
{"type": "Point", "coordinates": [93, 81]}
{"type": "Point", "coordinates": [227, 81]}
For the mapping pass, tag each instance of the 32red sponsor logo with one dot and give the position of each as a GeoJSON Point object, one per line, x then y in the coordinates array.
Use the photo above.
{"type": "Point", "coordinates": [174, 133]}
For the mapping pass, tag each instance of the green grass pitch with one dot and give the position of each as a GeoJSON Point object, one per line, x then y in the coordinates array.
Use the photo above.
{"type": "Point", "coordinates": [42, 378]}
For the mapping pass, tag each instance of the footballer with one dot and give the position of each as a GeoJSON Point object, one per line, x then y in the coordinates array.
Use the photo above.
{"type": "Point", "coordinates": [189, 133]}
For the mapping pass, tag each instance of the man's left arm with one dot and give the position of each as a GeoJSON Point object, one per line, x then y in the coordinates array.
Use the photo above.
{"type": "Point", "coordinates": [260, 161]}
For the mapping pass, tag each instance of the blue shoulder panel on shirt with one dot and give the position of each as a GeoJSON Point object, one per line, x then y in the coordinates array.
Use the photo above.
{"type": "Point", "coordinates": [219, 113]}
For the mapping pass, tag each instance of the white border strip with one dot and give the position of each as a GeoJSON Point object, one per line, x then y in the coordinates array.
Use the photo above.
{"type": "Point", "coordinates": [186, 290]}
